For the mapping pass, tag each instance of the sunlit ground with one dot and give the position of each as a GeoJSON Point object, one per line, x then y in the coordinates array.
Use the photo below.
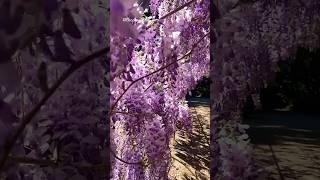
{"type": "Point", "coordinates": [191, 152]}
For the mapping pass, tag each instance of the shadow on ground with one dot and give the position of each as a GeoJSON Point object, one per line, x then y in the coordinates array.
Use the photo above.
{"type": "Point", "coordinates": [193, 149]}
{"type": "Point", "coordinates": [291, 140]}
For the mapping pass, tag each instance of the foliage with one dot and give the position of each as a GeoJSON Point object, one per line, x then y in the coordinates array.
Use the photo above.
{"type": "Point", "coordinates": [203, 88]}
{"type": "Point", "coordinates": [297, 83]}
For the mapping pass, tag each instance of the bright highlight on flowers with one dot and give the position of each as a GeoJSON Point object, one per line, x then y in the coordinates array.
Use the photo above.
{"type": "Point", "coordinates": [152, 73]}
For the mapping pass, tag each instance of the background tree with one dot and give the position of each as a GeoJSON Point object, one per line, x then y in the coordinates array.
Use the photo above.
{"type": "Point", "coordinates": [296, 84]}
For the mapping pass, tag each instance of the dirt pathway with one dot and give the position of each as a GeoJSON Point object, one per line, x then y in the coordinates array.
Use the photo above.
{"type": "Point", "coordinates": [287, 144]}
{"type": "Point", "coordinates": [191, 152]}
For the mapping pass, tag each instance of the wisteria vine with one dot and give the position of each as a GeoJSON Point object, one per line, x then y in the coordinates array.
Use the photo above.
{"type": "Point", "coordinates": [248, 39]}
{"type": "Point", "coordinates": [154, 63]}
{"type": "Point", "coordinates": [53, 104]}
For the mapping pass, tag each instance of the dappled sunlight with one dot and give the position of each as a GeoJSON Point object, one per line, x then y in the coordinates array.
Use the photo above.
{"type": "Point", "coordinates": [191, 151]}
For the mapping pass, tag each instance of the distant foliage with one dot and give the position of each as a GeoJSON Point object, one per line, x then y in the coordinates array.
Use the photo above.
{"type": "Point", "coordinates": [297, 83]}
{"type": "Point", "coordinates": [203, 88]}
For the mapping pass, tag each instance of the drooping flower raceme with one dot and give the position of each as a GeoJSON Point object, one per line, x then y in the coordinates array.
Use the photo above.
{"type": "Point", "coordinates": [153, 66]}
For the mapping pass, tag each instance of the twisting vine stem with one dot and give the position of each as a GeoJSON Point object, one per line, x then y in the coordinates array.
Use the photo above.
{"type": "Point", "coordinates": [126, 162]}
{"type": "Point", "coordinates": [156, 71]}
{"type": "Point", "coordinates": [178, 9]}
{"type": "Point", "coordinates": [172, 12]}
{"type": "Point", "coordinates": [28, 118]}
